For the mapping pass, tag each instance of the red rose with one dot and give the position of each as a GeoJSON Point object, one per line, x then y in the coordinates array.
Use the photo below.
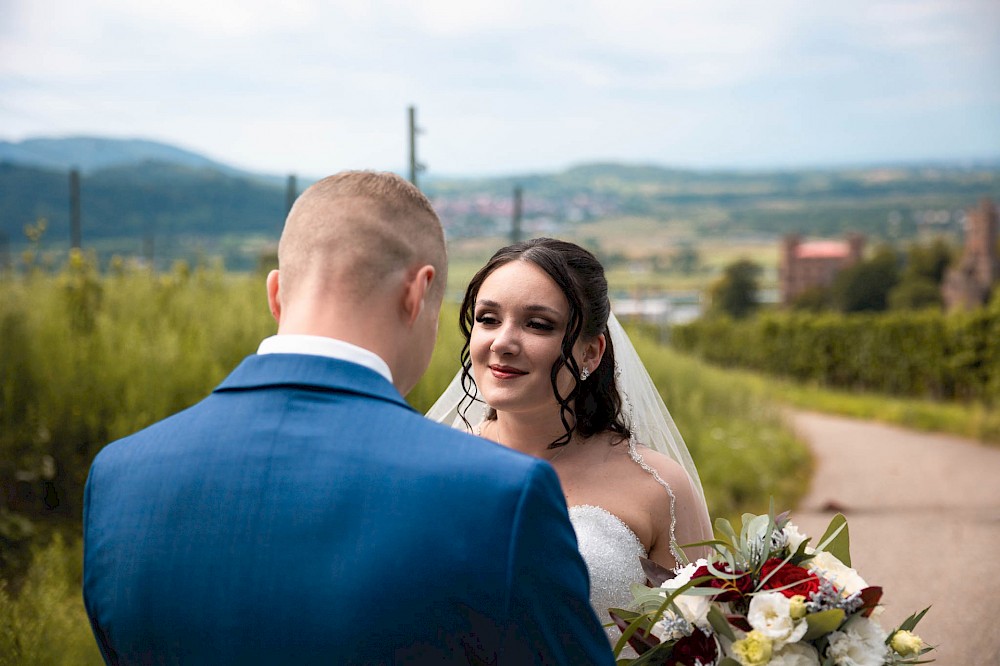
{"type": "Point", "coordinates": [696, 648]}
{"type": "Point", "coordinates": [801, 581]}
{"type": "Point", "coordinates": [733, 588]}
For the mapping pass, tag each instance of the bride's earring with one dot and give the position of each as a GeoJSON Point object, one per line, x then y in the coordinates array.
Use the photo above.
{"type": "Point", "coordinates": [584, 374]}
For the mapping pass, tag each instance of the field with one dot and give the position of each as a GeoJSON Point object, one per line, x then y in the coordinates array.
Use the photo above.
{"type": "Point", "coordinates": [634, 264]}
{"type": "Point", "coordinates": [89, 358]}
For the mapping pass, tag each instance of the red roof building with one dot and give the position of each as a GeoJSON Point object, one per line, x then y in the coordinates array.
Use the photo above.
{"type": "Point", "coordinates": [804, 265]}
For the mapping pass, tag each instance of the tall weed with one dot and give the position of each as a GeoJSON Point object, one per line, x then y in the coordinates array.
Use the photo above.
{"type": "Point", "coordinates": [45, 623]}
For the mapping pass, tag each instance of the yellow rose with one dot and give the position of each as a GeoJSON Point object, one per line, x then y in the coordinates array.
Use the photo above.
{"type": "Point", "coordinates": [753, 650]}
{"type": "Point", "coordinates": [797, 607]}
{"type": "Point", "coordinates": [906, 643]}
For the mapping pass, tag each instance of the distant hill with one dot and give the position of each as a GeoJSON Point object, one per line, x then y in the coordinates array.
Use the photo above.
{"type": "Point", "coordinates": [882, 202]}
{"type": "Point", "coordinates": [89, 154]}
{"type": "Point", "coordinates": [132, 189]}
{"type": "Point", "coordinates": [132, 201]}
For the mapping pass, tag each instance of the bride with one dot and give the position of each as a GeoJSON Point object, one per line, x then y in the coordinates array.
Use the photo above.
{"type": "Point", "coordinates": [547, 370]}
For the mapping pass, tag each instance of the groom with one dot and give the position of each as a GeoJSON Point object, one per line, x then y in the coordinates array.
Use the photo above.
{"type": "Point", "coordinates": [304, 513]}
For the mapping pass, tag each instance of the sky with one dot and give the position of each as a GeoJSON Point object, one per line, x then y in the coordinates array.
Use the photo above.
{"type": "Point", "coordinates": [511, 86]}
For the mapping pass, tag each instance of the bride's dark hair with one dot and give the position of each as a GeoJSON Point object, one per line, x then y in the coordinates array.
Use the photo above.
{"type": "Point", "coordinates": [592, 406]}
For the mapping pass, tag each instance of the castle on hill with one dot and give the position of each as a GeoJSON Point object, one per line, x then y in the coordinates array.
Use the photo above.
{"type": "Point", "coordinates": [968, 283]}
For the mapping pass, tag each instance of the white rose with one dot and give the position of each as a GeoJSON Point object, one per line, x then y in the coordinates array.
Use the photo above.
{"type": "Point", "coordinates": [845, 578]}
{"type": "Point", "coordinates": [795, 538]}
{"type": "Point", "coordinates": [683, 575]}
{"type": "Point", "coordinates": [795, 654]}
{"type": "Point", "coordinates": [695, 610]}
{"type": "Point", "coordinates": [860, 643]}
{"type": "Point", "coordinates": [771, 614]}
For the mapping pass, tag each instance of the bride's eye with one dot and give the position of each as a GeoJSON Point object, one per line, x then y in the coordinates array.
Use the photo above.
{"type": "Point", "coordinates": [541, 325]}
{"type": "Point", "coordinates": [486, 318]}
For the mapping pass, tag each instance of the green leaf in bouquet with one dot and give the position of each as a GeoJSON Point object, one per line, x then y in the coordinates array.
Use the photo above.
{"type": "Point", "coordinates": [656, 657]}
{"type": "Point", "coordinates": [647, 599]}
{"type": "Point", "coordinates": [635, 631]}
{"type": "Point", "coordinates": [836, 540]}
{"type": "Point", "coordinates": [755, 528]}
{"type": "Point", "coordinates": [822, 623]}
{"type": "Point", "coordinates": [719, 623]}
{"type": "Point", "coordinates": [756, 539]}
{"type": "Point", "coordinates": [726, 529]}
{"type": "Point", "coordinates": [729, 661]}
{"type": "Point", "coordinates": [711, 542]}
{"type": "Point", "coordinates": [800, 554]}
{"type": "Point", "coordinates": [910, 623]}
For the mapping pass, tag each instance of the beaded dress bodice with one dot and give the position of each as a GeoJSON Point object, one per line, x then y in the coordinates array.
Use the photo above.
{"type": "Point", "coordinates": [611, 551]}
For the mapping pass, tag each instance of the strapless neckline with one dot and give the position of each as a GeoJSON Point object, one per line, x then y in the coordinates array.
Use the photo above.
{"type": "Point", "coordinates": [633, 537]}
{"type": "Point", "coordinates": [611, 551]}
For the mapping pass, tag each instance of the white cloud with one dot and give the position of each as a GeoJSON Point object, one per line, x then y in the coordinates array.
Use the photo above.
{"type": "Point", "coordinates": [503, 85]}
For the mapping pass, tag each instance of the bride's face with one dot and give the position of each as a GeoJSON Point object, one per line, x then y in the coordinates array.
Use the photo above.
{"type": "Point", "coordinates": [519, 321]}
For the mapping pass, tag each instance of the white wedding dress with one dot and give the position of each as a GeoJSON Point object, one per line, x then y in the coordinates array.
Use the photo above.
{"type": "Point", "coordinates": [611, 551]}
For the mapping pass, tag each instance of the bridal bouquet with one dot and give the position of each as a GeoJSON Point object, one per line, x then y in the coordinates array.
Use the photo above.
{"type": "Point", "coordinates": [765, 597]}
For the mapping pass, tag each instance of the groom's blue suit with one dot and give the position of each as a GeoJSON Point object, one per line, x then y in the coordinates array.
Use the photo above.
{"type": "Point", "coordinates": [304, 513]}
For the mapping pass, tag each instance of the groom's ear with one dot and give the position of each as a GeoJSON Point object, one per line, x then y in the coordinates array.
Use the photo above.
{"type": "Point", "coordinates": [273, 296]}
{"type": "Point", "coordinates": [416, 292]}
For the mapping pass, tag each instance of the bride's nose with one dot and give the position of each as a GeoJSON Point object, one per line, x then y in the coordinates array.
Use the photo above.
{"type": "Point", "coordinates": [505, 341]}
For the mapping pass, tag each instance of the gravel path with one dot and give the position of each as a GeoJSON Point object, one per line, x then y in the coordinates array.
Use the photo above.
{"type": "Point", "coordinates": [924, 518]}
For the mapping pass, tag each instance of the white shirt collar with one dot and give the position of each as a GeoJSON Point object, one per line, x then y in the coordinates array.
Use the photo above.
{"type": "Point", "coordinates": [316, 345]}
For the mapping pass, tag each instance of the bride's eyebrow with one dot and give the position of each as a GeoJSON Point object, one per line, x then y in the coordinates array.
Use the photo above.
{"type": "Point", "coordinates": [544, 309]}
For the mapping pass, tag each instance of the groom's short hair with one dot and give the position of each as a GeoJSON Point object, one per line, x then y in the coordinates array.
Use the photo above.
{"type": "Point", "coordinates": [352, 230]}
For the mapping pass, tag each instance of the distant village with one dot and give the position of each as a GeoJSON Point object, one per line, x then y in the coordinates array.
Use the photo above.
{"type": "Point", "coordinates": [804, 265]}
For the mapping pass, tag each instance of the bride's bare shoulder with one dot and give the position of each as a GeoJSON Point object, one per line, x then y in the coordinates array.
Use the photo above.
{"type": "Point", "coordinates": [662, 463]}
{"type": "Point", "coordinates": [668, 469]}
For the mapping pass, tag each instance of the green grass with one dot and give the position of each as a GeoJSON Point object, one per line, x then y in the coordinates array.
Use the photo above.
{"type": "Point", "coordinates": [744, 451]}
{"type": "Point", "coordinates": [972, 420]}
{"type": "Point", "coordinates": [88, 358]}
{"type": "Point", "coordinates": [45, 623]}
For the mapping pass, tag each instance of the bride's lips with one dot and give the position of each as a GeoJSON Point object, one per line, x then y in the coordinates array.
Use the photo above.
{"type": "Point", "coordinates": [506, 372]}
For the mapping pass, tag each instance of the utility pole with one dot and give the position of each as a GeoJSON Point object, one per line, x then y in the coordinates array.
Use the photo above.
{"type": "Point", "coordinates": [291, 192]}
{"type": "Point", "coordinates": [515, 229]}
{"type": "Point", "coordinates": [4, 251]}
{"type": "Point", "coordinates": [74, 209]}
{"type": "Point", "coordinates": [415, 165]}
{"type": "Point", "coordinates": [149, 247]}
